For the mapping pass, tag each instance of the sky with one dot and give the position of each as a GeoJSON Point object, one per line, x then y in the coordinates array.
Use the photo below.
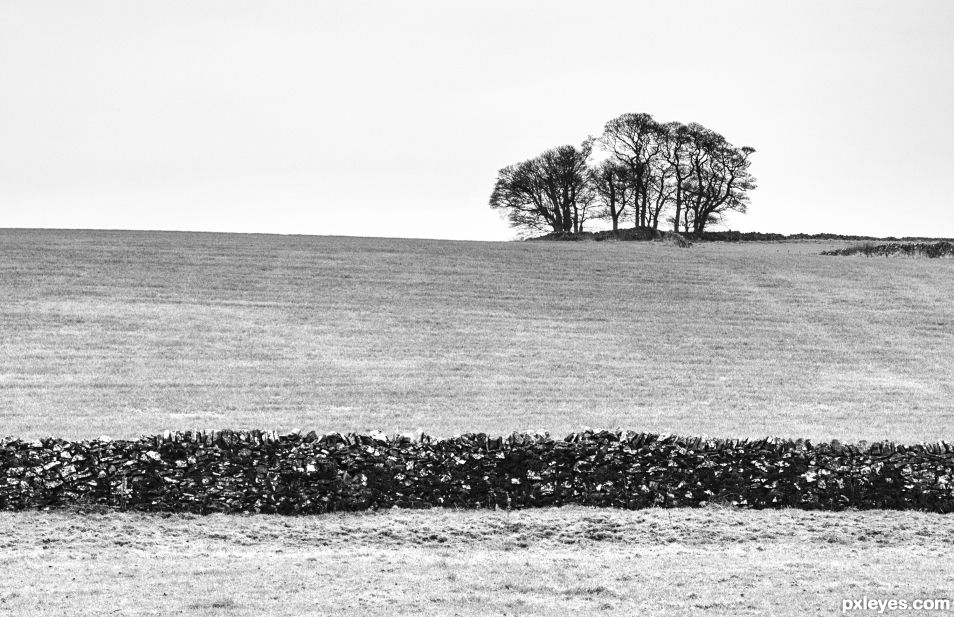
{"type": "Point", "coordinates": [393, 118]}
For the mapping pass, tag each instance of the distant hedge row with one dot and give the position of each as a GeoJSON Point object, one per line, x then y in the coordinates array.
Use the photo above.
{"type": "Point", "coordinates": [252, 471]}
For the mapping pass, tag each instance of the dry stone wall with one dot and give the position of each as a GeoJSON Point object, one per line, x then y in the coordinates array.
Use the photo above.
{"type": "Point", "coordinates": [254, 471]}
{"type": "Point", "coordinates": [897, 249]}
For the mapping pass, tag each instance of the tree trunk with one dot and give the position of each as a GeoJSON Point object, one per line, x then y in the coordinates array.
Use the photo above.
{"type": "Point", "coordinates": [699, 225]}
{"type": "Point", "coordinates": [675, 220]}
{"type": "Point", "coordinates": [645, 214]}
{"type": "Point", "coordinates": [614, 213]}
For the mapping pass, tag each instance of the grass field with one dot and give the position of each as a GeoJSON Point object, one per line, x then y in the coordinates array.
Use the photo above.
{"type": "Point", "coordinates": [123, 333]}
{"type": "Point", "coordinates": [568, 561]}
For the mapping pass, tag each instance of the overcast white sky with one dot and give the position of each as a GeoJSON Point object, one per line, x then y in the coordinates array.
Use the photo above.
{"type": "Point", "coordinates": [392, 118]}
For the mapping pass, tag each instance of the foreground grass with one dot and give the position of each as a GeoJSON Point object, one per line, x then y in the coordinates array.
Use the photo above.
{"type": "Point", "coordinates": [122, 333]}
{"type": "Point", "coordinates": [539, 562]}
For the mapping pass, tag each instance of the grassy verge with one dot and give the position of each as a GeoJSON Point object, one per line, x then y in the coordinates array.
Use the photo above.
{"type": "Point", "coordinates": [539, 562]}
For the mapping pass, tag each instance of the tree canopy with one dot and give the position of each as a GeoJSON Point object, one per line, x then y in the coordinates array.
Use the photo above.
{"type": "Point", "coordinates": [684, 175]}
{"type": "Point", "coordinates": [551, 191]}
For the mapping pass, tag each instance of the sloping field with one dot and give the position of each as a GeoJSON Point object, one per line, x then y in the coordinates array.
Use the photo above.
{"type": "Point", "coordinates": [122, 333]}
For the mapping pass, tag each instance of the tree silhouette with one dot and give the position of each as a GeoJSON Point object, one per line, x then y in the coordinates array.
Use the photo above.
{"type": "Point", "coordinates": [615, 190]}
{"type": "Point", "coordinates": [685, 174]}
{"type": "Point", "coordinates": [549, 192]}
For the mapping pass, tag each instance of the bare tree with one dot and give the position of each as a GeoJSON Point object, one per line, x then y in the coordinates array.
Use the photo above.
{"type": "Point", "coordinates": [631, 138]}
{"type": "Point", "coordinates": [614, 189]}
{"type": "Point", "coordinates": [654, 169]}
{"type": "Point", "coordinates": [675, 144]}
{"type": "Point", "coordinates": [718, 179]}
{"type": "Point", "coordinates": [661, 191]}
{"type": "Point", "coordinates": [551, 191]}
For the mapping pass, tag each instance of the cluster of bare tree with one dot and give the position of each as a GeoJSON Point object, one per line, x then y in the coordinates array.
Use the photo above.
{"type": "Point", "coordinates": [682, 174]}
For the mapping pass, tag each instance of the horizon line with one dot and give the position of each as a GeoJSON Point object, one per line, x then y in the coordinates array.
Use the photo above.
{"type": "Point", "coordinates": [334, 235]}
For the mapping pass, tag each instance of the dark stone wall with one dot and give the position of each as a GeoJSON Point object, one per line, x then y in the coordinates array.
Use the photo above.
{"type": "Point", "coordinates": [252, 471]}
{"type": "Point", "coordinates": [895, 249]}
{"type": "Point", "coordinates": [755, 236]}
